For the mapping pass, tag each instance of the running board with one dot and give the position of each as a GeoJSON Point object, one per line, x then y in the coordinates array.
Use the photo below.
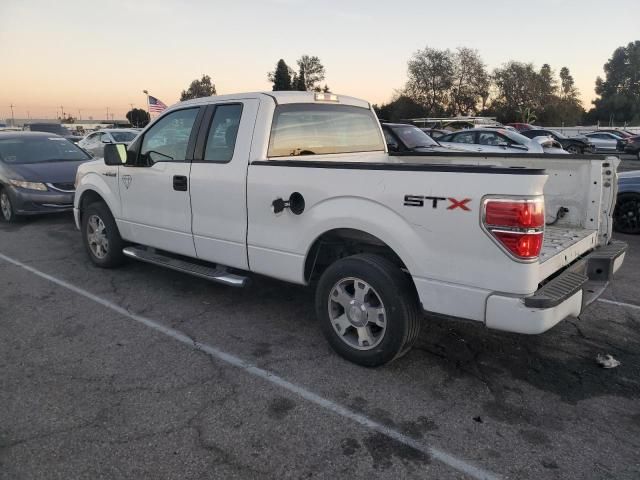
{"type": "Point", "coordinates": [215, 274]}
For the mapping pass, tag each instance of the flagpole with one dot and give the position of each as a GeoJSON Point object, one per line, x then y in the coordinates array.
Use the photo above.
{"type": "Point", "coordinates": [146, 92]}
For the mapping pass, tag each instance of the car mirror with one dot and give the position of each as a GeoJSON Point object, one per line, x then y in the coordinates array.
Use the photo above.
{"type": "Point", "coordinates": [115, 154]}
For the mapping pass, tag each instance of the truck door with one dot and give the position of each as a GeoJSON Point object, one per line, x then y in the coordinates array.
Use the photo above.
{"type": "Point", "coordinates": [218, 182]}
{"type": "Point", "coordinates": [154, 188]}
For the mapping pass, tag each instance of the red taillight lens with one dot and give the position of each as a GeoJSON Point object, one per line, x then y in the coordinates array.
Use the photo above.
{"type": "Point", "coordinates": [517, 225]}
{"type": "Point", "coordinates": [523, 245]}
{"type": "Point", "coordinates": [529, 214]}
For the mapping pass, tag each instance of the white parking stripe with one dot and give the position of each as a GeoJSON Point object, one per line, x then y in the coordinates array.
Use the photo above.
{"type": "Point", "coordinates": [620, 304]}
{"type": "Point", "coordinates": [440, 455]}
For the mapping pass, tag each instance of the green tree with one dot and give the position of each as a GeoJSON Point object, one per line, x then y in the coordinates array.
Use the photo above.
{"type": "Point", "coordinates": [312, 71]}
{"type": "Point", "coordinates": [517, 91]}
{"type": "Point", "coordinates": [431, 76]}
{"type": "Point", "coordinates": [470, 88]}
{"type": "Point", "coordinates": [301, 80]}
{"type": "Point", "coordinates": [199, 88]}
{"type": "Point", "coordinates": [281, 77]}
{"type": "Point", "coordinates": [619, 91]}
{"type": "Point", "coordinates": [401, 107]}
{"type": "Point", "coordinates": [138, 117]}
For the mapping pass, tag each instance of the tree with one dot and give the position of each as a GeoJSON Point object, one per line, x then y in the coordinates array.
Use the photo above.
{"type": "Point", "coordinates": [281, 77]}
{"type": "Point", "coordinates": [568, 89]}
{"type": "Point", "coordinates": [138, 117]}
{"type": "Point", "coordinates": [400, 108]}
{"type": "Point", "coordinates": [199, 88]}
{"type": "Point", "coordinates": [301, 81]}
{"type": "Point", "coordinates": [619, 91]}
{"type": "Point", "coordinates": [518, 87]}
{"type": "Point", "coordinates": [431, 77]}
{"type": "Point", "coordinates": [313, 72]}
{"type": "Point", "coordinates": [470, 89]}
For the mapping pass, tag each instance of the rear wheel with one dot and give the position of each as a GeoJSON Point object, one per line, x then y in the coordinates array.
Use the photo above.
{"type": "Point", "coordinates": [101, 237]}
{"type": "Point", "coordinates": [6, 207]}
{"type": "Point", "coordinates": [626, 217]}
{"type": "Point", "coordinates": [368, 309]}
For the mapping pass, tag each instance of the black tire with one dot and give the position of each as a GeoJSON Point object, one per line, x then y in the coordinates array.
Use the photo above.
{"type": "Point", "coordinates": [626, 216]}
{"type": "Point", "coordinates": [397, 295]}
{"type": "Point", "coordinates": [113, 256]}
{"type": "Point", "coordinates": [574, 150]}
{"type": "Point", "coordinates": [7, 215]}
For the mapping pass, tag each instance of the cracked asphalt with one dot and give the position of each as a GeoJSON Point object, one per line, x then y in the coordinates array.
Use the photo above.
{"type": "Point", "coordinates": [89, 393]}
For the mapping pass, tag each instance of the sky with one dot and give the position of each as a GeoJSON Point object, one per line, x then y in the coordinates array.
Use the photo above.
{"type": "Point", "coordinates": [87, 56]}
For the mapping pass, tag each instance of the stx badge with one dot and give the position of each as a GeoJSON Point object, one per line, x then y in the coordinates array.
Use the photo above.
{"type": "Point", "coordinates": [126, 180]}
{"type": "Point", "coordinates": [418, 201]}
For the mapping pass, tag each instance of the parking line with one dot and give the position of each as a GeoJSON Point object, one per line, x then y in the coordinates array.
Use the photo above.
{"type": "Point", "coordinates": [440, 455]}
{"type": "Point", "coordinates": [620, 304]}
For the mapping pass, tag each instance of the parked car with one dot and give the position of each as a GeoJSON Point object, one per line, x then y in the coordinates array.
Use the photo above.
{"type": "Point", "coordinates": [56, 128]}
{"type": "Point", "coordinates": [409, 138]}
{"type": "Point", "coordinates": [632, 146]}
{"type": "Point", "coordinates": [37, 173]}
{"type": "Point", "coordinates": [500, 141]}
{"type": "Point", "coordinates": [94, 142]}
{"type": "Point", "coordinates": [619, 132]}
{"type": "Point", "coordinates": [435, 133]}
{"type": "Point", "coordinates": [605, 141]}
{"type": "Point", "coordinates": [575, 145]}
{"type": "Point", "coordinates": [626, 217]}
{"type": "Point", "coordinates": [521, 127]}
{"type": "Point", "coordinates": [300, 186]}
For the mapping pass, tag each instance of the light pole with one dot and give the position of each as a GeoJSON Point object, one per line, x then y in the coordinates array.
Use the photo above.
{"type": "Point", "coordinates": [79, 115]}
{"type": "Point", "coordinates": [146, 92]}
{"type": "Point", "coordinates": [13, 120]}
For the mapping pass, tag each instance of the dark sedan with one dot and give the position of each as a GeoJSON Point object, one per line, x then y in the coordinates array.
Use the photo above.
{"type": "Point", "coordinates": [626, 217]}
{"type": "Point", "coordinates": [575, 145]}
{"type": "Point", "coordinates": [37, 173]}
{"type": "Point", "coordinates": [632, 146]}
{"type": "Point", "coordinates": [401, 137]}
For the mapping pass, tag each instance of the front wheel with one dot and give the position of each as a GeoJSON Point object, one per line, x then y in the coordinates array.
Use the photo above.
{"type": "Point", "coordinates": [101, 237]}
{"type": "Point", "coordinates": [368, 309]}
{"type": "Point", "coordinates": [6, 207]}
{"type": "Point", "coordinates": [626, 216]}
{"type": "Point", "coordinates": [574, 149]}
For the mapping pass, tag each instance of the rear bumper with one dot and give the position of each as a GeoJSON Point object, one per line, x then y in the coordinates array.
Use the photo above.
{"type": "Point", "coordinates": [565, 295]}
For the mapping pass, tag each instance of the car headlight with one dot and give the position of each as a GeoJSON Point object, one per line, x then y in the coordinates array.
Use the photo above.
{"type": "Point", "coordinates": [29, 185]}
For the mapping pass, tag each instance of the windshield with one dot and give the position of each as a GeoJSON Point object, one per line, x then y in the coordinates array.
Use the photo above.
{"type": "Point", "coordinates": [558, 134]}
{"type": "Point", "coordinates": [413, 137]}
{"type": "Point", "coordinates": [39, 150]}
{"type": "Point", "coordinates": [123, 136]}
{"type": "Point", "coordinates": [516, 137]}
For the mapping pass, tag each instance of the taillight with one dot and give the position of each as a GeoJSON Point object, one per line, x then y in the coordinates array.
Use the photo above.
{"type": "Point", "coordinates": [517, 225]}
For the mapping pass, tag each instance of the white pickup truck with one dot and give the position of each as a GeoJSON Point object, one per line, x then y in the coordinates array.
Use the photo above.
{"type": "Point", "coordinates": [299, 186]}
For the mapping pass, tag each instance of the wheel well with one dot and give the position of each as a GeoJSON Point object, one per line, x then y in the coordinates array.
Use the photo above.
{"type": "Point", "coordinates": [89, 197]}
{"type": "Point", "coordinates": [343, 242]}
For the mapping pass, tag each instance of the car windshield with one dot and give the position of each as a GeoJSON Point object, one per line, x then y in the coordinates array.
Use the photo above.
{"type": "Point", "coordinates": [516, 137]}
{"type": "Point", "coordinates": [39, 150]}
{"type": "Point", "coordinates": [413, 137]}
{"type": "Point", "coordinates": [123, 136]}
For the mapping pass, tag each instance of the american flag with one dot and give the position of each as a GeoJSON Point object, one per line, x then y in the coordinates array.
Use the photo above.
{"type": "Point", "coordinates": [155, 105]}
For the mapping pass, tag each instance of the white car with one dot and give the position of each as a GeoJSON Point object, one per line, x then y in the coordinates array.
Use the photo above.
{"type": "Point", "coordinates": [94, 142]}
{"type": "Point", "coordinates": [299, 186]}
{"type": "Point", "coordinates": [496, 140]}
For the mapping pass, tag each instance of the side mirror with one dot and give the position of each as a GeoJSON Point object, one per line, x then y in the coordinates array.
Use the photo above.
{"type": "Point", "coordinates": [115, 154]}
{"type": "Point", "coordinates": [392, 147]}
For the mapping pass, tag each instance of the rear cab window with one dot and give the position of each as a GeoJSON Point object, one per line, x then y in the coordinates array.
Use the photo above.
{"type": "Point", "coordinates": [313, 129]}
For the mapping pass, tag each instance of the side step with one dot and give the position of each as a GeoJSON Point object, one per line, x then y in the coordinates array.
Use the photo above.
{"type": "Point", "coordinates": [215, 274]}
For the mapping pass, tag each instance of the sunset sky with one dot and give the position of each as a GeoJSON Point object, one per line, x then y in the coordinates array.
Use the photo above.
{"type": "Point", "coordinates": [87, 56]}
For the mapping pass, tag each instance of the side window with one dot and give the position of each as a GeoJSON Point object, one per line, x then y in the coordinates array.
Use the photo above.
{"type": "Point", "coordinates": [167, 140]}
{"type": "Point", "coordinates": [465, 137]}
{"type": "Point", "coordinates": [223, 132]}
{"type": "Point", "coordinates": [489, 138]}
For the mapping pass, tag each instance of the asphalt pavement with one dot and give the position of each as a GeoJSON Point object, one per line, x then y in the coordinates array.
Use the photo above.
{"type": "Point", "coordinates": [142, 372]}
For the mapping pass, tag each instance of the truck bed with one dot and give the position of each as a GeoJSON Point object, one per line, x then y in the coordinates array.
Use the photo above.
{"type": "Point", "coordinates": [562, 245]}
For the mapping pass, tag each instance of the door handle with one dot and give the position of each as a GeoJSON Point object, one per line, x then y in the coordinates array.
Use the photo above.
{"type": "Point", "coordinates": [180, 183]}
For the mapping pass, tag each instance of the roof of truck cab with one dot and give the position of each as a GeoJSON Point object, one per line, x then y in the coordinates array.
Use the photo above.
{"type": "Point", "coordinates": [280, 98]}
